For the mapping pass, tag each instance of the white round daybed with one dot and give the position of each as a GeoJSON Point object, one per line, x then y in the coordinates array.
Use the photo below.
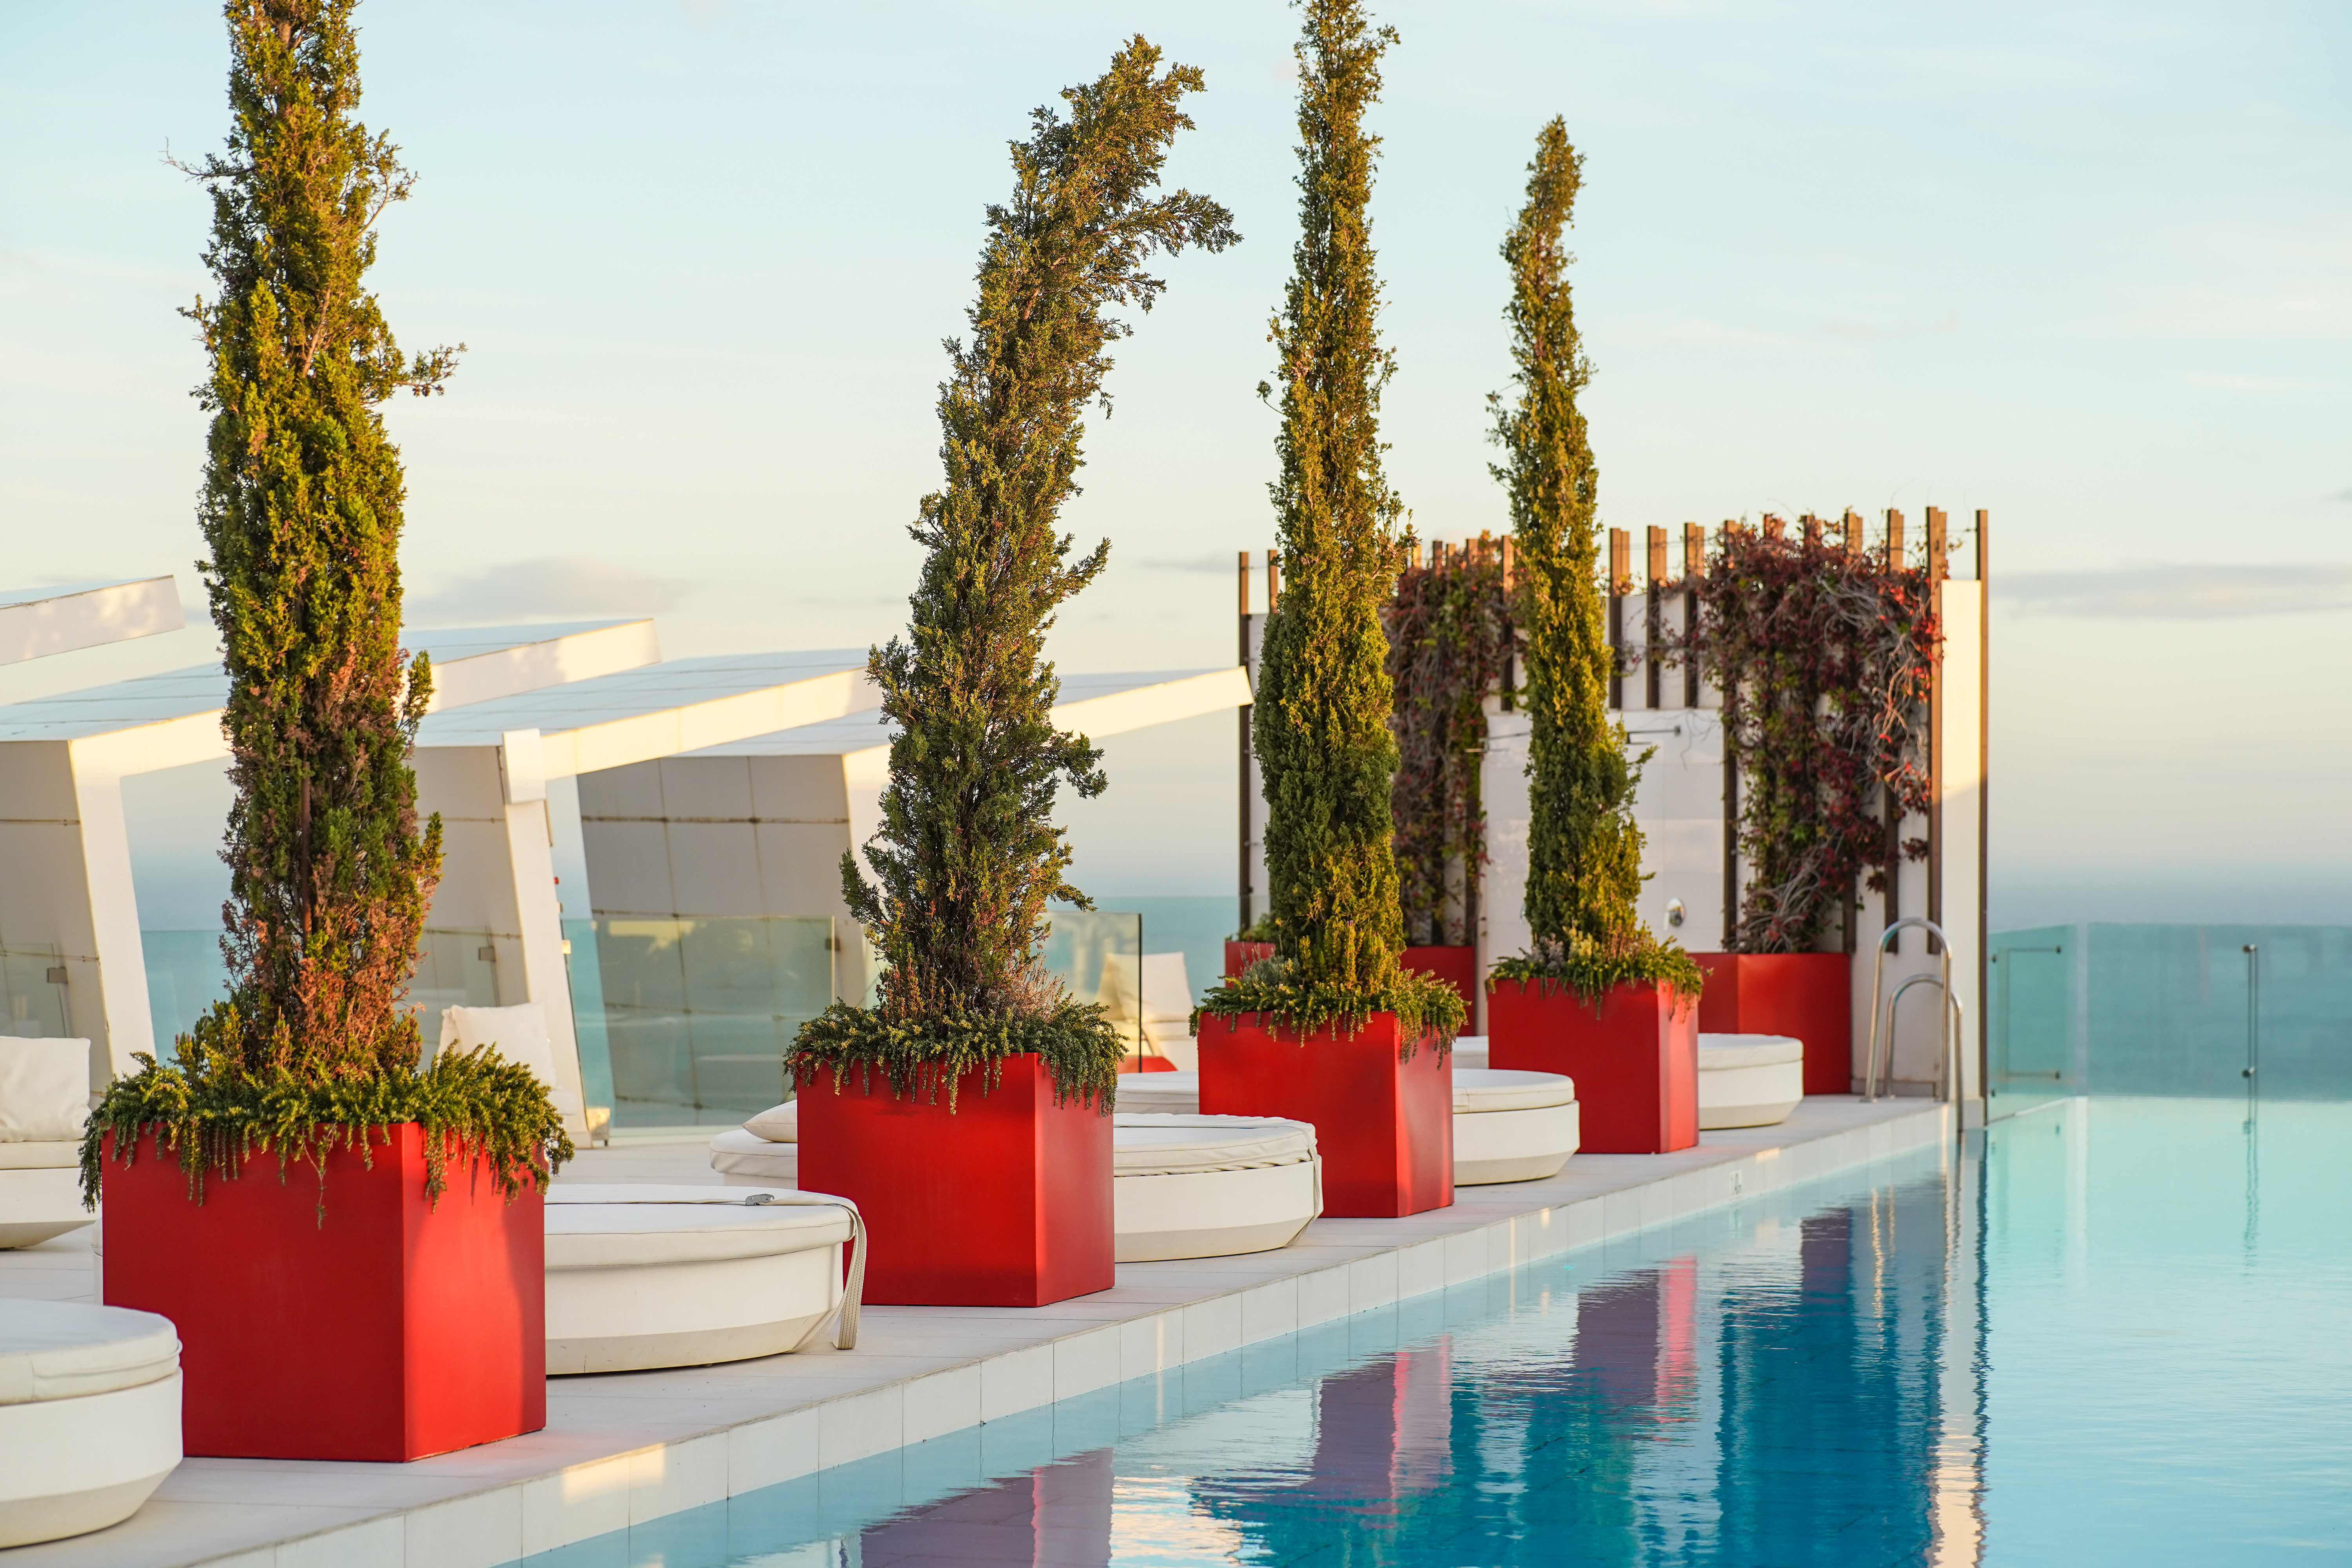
{"type": "Point", "coordinates": [1508, 1125]}
{"type": "Point", "coordinates": [1749, 1081]}
{"type": "Point", "coordinates": [44, 1096]}
{"type": "Point", "coordinates": [646, 1275]}
{"type": "Point", "coordinates": [89, 1415]}
{"type": "Point", "coordinates": [1182, 1184]}
{"type": "Point", "coordinates": [1511, 1125]}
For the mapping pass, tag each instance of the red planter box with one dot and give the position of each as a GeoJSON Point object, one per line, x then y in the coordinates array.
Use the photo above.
{"type": "Point", "coordinates": [1635, 1063]}
{"type": "Point", "coordinates": [392, 1331]}
{"type": "Point", "coordinates": [1806, 995]}
{"type": "Point", "coordinates": [1457, 966]}
{"type": "Point", "coordinates": [1384, 1128]}
{"type": "Point", "coordinates": [1240, 956]}
{"type": "Point", "coordinates": [1004, 1203]}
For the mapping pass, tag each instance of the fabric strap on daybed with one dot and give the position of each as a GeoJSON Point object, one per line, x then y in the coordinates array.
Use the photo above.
{"type": "Point", "coordinates": [843, 1312]}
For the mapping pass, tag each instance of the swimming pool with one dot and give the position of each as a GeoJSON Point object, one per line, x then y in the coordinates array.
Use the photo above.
{"type": "Point", "coordinates": [2117, 1333]}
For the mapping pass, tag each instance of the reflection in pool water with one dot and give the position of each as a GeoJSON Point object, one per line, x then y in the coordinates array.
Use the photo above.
{"type": "Point", "coordinates": [2045, 1356]}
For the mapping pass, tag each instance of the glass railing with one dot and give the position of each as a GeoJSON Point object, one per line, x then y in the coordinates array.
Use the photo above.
{"type": "Point", "coordinates": [1196, 927]}
{"type": "Point", "coordinates": [33, 1001]}
{"type": "Point", "coordinates": [2168, 1010]}
{"type": "Point", "coordinates": [694, 1015]}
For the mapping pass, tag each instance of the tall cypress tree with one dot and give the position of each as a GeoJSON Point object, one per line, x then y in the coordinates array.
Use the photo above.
{"type": "Point", "coordinates": [1320, 724]}
{"type": "Point", "coordinates": [1584, 851]}
{"type": "Point", "coordinates": [968, 854]}
{"type": "Point", "coordinates": [331, 870]}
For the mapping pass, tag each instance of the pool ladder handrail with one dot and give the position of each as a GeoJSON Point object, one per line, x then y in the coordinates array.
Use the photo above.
{"type": "Point", "coordinates": [1949, 1067]}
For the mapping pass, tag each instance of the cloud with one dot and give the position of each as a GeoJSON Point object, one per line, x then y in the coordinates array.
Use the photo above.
{"type": "Point", "coordinates": [1867, 330]}
{"type": "Point", "coordinates": [2344, 497]}
{"type": "Point", "coordinates": [2168, 593]}
{"type": "Point", "coordinates": [553, 587]}
{"type": "Point", "coordinates": [1225, 561]}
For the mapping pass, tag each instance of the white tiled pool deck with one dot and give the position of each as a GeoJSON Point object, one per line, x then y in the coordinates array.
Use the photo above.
{"type": "Point", "coordinates": [625, 1449]}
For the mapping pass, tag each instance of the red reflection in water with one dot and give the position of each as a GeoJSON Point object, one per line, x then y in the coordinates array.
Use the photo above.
{"type": "Point", "coordinates": [1056, 1516]}
{"type": "Point", "coordinates": [1385, 1432]}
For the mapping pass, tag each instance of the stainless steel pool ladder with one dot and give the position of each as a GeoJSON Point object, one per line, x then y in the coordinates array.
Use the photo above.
{"type": "Point", "coordinates": [1948, 1070]}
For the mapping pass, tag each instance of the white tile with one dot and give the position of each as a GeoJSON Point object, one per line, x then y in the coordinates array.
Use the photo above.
{"type": "Point", "coordinates": [1466, 1255]}
{"type": "Point", "coordinates": [1373, 1282]}
{"type": "Point", "coordinates": [1020, 1380]}
{"type": "Point", "coordinates": [1269, 1310]}
{"type": "Point", "coordinates": [1322, 1296]}
{"type": "Point", "coordinates": [1620, 1212]}
{"type": "Point", "coordinates": [1151, 1344]}
{"type": "Point", "coordinates": [479, 1531]}
{"type": "Point", "coordinates": [1583, 1222]}
{"type": "Point", "coordinates": [575, 1503]}
{"type": "Point", "coordinates": [944, 1402]}
{"type": "Point", "coordinates": [1689, 1192]}
{"type": "Point", "coordinates": [674, 1477]}
{"type": "Point", "coordinates": [762, 1453]}
{"type": "Point", "coordinates": [260, 1557]}
{"type": "Point", "coordinates": [374, 1544]}
{"type": "Point", "coordinates": [1657, 1202]}
{"type": "Point", "coordinates": [1084, 1363]}
{"type": "Point", "coordinates": [860, 1426]}
{"type": "Point", "coordinates": [1213, 1327]}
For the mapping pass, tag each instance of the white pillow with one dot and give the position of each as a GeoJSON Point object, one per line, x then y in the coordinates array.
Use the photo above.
{"type": "Point", "coordinates": [778, 1124]}
{"type": "Point", "coordinates": [518, 1034]}
{"type": "Point", "coordinates": [44, 1090]}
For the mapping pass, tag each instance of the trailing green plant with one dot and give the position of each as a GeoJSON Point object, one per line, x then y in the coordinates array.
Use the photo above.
{"type": "Point", "coordinates": [1825, 655]}
{"type": "Point", "coordinates": [330, 869]}
{"type": "Point", "coordinates": [1450, 644]}
{"type": "Point", "coordinates": [1425, 1005]}
{"type": "Point", "coordinates": [213, 1119]}
{"type": "Point", "coordinates": [1321, 723]}
{"type": "Point", "coordinates": [1584, 849]}
{"type": "Point", "coordinates": [967, 856]}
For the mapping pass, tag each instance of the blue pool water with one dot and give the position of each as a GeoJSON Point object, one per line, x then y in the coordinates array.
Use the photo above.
{"type": "Point", "coordinates": [2119, 1333]}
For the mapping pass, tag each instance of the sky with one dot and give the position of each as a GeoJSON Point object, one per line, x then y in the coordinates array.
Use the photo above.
{"type": "Point", "coordinates": [2088, 267]}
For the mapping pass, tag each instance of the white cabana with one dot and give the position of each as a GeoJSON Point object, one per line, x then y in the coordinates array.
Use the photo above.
{"type": "Point", "coordinates": [499, 773]}
{"type": "Point", "coordinates": [66, 885]}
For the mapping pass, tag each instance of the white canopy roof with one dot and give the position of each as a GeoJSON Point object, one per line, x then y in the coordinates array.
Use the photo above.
{"type": "Point", "coordinates": [666, 710]}
{"type": "Point", "coordinates": [175, 718]}
{"type": "Point", "coordinates": [1095, 705]}
{"type": "Point", "coordinates": [37, 622]}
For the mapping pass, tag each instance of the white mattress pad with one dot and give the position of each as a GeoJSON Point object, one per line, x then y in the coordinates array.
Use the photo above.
{"type": "Point", "coordinates": [600, 1226]}
{"type": "Point", "coordinates": [1174, 1144]}
{"type": "Point", "coordinates": [1159, 1092]}
{"type": "Point", "coordinates": [1509, 1088]}
{"type": "Point", "coordinates": [64, 1350]}
{"type": "Point", "coordinates": [1717, 1052]}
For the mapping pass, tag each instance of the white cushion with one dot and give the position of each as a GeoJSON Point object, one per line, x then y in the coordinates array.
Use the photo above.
{"type": "Point", "coordinates": [1469, 1051]}
{"type": "Point", "coordinates": [40, 1156]}
{"type": "Point", "coordinates": [65, 1350]}
{"type": "Point", "coordinates": [745, 1159]}
{"type": "Point", "coordinates": [1165, 1092]}
{"type": "Point", "coordinates": [1167, 993]}
{"type": "Point", "coordinates": [44, 1089]}
{"type": "Point", "coordinates": [1718, 1052]}
{"type": "Point", "coordinates": [777, 1124]}
{"type": "Point", "coordinates": [518, 1034]}
{"type": "Point", "coordinates": [598, 1226]}
{"type": "Point", "coordinates": [1509, 1088]}
{"type": "Point", "coordinates": [1168, 1145]}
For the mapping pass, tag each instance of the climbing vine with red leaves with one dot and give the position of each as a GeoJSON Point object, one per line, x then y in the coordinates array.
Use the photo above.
{"type": "Point", "coordinates": [1450, 642]}
{"type": "Point", "coordinates": [1825, 657]}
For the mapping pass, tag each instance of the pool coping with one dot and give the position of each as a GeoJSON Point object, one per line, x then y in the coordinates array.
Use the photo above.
{"type": "Point", "coordinates": [628, 1449]}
